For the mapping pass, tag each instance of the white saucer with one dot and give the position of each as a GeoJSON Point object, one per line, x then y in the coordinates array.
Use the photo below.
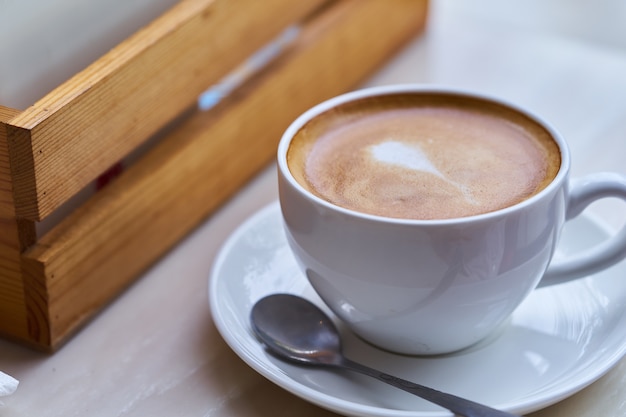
{"type": "Point", "coordinates": [559, 341]}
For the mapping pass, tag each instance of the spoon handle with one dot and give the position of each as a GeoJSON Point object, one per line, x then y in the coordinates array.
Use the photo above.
{"type": "Point", "coordinates": [457, 405]}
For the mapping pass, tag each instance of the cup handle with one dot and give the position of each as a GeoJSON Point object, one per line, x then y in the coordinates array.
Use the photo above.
{"type": "Point", "coordinates": [584, 191]}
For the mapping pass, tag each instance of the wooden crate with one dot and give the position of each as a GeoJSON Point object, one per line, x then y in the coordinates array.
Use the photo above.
{"type": "Point", "coordinates": [50, 285]}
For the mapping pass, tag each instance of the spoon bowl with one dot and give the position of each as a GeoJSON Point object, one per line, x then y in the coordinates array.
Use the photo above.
{"type": "Point", "coordinates": [310, 338]}
{"type": "Point", "coordinates": [295, 329]}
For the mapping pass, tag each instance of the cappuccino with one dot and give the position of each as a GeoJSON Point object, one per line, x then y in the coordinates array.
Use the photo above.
{"type": "Point", "coordinates": [423, 156]}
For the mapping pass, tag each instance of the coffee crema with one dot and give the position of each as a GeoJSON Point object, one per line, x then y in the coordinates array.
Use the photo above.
{"type": "Point", "coordinates": [423, 156]}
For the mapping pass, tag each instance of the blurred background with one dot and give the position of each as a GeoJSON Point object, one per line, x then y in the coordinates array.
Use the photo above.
{"type": "Point", "coordinates": [601, 23]}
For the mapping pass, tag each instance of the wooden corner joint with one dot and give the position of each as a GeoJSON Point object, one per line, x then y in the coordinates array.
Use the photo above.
{"type": "Point", "coordinates": [22, 165]}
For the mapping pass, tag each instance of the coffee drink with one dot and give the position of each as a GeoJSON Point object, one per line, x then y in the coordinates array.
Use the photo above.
{"type": "Point", "coordinates": [423, 216]}
{"type": "Point", "coordinates": [423, 156]}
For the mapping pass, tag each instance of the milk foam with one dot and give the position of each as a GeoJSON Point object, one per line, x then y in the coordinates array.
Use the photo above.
{"type": "Point", "coordinates": [392, 158]}
{"type": "Point", "coordinates": [407, 156]}
{"type": "Point", "coordinates": [413, 157]}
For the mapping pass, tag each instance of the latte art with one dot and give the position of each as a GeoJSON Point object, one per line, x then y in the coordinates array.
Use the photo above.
{"type": "Point", "coordinates": [412, 157]}
{"type": "Point", "coordinates": [398, 153]}
{"type": "Point", "coordinates": [419, 158]}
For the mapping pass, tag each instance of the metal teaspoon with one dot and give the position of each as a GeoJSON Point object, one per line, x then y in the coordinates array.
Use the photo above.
{"type": "Point", "coordinates": [296, 329]}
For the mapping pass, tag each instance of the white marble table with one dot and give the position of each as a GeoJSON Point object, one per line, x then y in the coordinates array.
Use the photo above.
{"type": "Point", "coordinates": [155, 351]}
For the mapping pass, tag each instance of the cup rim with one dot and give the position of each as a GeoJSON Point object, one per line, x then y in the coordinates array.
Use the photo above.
{"type": "Point", "coordinates": [314, 111]}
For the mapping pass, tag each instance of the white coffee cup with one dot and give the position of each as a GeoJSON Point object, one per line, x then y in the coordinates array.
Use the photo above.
{"type": "Point", "coordinates": [437, 286]}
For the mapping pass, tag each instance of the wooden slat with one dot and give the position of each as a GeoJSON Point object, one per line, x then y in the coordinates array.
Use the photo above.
{"type": "Point", "coordinates": [13, 315]}
{"type": "Point", "coordinates": [80, 129]}
{"type": "Point", "coordinates": [97, 251]}
{"type": "Point", "coordinates": [7, 207]}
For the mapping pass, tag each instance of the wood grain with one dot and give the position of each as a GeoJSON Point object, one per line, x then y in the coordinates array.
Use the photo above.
{"type": "Point", "coordinates": [96, 252]}
{"type": "Point", "coordinates": [13, 315]}
{"type": "Point", "coordinates": [72, 135]}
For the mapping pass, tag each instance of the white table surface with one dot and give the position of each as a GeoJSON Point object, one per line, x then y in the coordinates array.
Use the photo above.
{"type": "Point", "coordinates": [155, 351]}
